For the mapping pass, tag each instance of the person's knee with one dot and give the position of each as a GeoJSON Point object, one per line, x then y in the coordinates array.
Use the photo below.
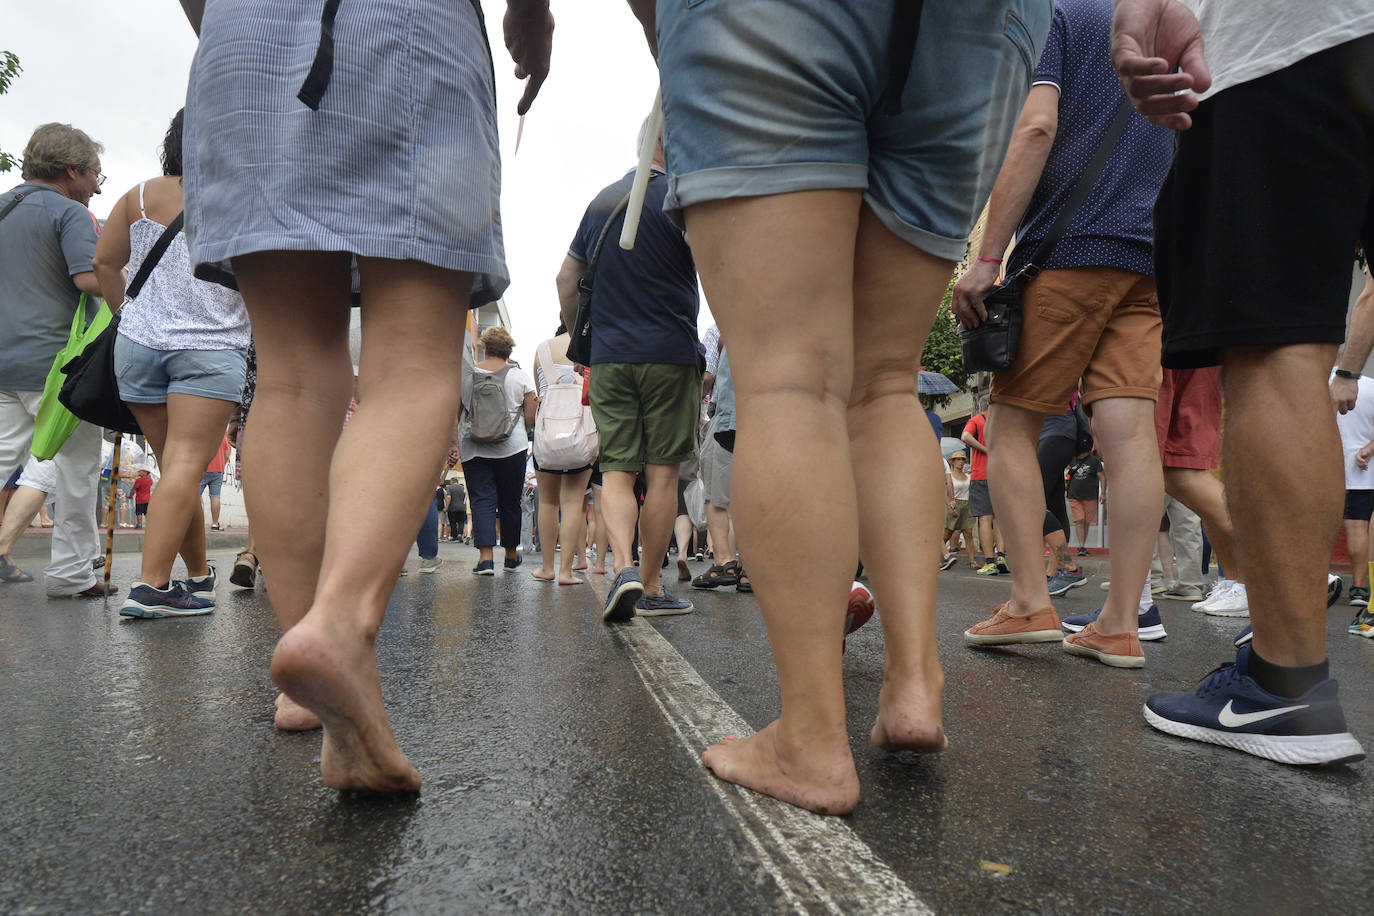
{"type": "Point", "coordinates": [882, 378]}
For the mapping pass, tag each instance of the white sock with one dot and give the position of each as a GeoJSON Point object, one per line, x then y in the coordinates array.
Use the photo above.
{"type": "Point", "coordinates": [1147, 600]}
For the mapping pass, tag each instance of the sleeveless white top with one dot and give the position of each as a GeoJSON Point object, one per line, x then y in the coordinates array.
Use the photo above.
{"type": "Point", "coordinates": [174, 310]}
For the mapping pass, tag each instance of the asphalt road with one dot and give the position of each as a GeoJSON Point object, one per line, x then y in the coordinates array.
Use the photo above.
{"type": "Point", "coordinates": [140, 772]}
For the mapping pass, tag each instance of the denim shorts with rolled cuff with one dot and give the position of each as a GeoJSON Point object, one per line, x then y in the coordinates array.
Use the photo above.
{"type": "Point", "coordinates": [147, 376]}
{"type": "Point", "coordinates": [768, 97]}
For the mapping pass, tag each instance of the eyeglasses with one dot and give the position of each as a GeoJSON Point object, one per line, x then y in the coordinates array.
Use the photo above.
{"type": "Point", "coordinates": [99, 176]}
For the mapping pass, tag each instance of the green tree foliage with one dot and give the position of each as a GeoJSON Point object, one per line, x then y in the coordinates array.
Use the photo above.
{"type": "Point", "coordinates": [942, 351]}
{"type": "Point", "coordinates": [9, 69]}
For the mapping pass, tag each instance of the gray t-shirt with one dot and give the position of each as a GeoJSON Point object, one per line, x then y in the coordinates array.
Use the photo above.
{"type": "Point", "coordinates": [44, 241]}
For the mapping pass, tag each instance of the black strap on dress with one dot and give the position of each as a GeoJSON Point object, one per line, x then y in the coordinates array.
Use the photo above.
{"type": "Point", "coordinates": [317, 80]}
{"type": "Point", "coordinates": [906, 27]}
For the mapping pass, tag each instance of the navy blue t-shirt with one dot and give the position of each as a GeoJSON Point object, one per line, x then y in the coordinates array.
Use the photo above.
{"type": "Point", "coordinates": [1114, 227]}
{"type": "Point", "coordinates": [644, 308]}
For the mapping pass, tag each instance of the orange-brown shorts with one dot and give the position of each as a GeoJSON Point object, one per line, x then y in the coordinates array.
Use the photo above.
{"type": "Point", "coordinates": [1188, 418]}
{"type": "Point", "coordinates": [1100, 324]}
{"type": "Point", "coordinates": [1083, 510]}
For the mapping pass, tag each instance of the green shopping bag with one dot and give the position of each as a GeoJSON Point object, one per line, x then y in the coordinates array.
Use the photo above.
{"type": "Point", "coordinates": [56, 423]}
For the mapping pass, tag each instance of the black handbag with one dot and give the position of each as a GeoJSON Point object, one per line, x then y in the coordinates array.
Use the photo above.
{"type": "Point", "coordinates": [991, 346]}
{"type": "Point", "coordinates": [580, 334]}
{"type": "Point", "coordinates": [91, 391]}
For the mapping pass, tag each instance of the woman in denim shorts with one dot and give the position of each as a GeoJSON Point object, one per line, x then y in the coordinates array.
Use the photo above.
{"type": "Point", "coordinates": [179, 361]}
{"type": "Point", "coordinates": [828, 161]}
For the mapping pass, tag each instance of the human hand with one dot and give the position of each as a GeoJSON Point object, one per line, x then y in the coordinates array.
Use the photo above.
{"type": "Point", "coordinates": [1363, 455]}
{"type": "Point", "coordinates": [1151, 39]}
{"type": "Point", "coordinates": [967, 300]}
{"type": "Point", "coordinates": [528, 26]}
{"type": "Point", "coordinates": [1344, 392]}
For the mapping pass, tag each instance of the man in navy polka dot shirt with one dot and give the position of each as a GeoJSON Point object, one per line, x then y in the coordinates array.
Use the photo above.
{"type": "Point", "coordinates": [1091, 321]}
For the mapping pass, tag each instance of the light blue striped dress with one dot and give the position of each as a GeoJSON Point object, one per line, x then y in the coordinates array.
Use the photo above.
{"type": "Point", "coordinates": [400, 161]}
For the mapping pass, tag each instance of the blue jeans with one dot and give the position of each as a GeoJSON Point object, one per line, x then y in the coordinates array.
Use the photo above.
{"type": "Point", "coordinates": [495, 485]}
{"type": "Point", "coordinates": [428, 538]}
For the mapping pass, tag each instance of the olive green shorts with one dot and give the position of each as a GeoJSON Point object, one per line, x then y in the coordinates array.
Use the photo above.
{"type": "Point", "coordinates": [645, 413]}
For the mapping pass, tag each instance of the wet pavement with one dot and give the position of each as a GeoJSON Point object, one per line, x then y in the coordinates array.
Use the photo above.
{"type": "Point", "coordinates": [141, 772]}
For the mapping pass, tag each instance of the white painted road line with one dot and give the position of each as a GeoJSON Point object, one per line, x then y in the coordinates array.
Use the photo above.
{"type": "Point", "coordinates": [817, 862]}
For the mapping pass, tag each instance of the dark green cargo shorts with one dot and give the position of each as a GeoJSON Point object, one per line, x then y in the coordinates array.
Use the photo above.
{"type": "Point", "coordinates": [645, 413]}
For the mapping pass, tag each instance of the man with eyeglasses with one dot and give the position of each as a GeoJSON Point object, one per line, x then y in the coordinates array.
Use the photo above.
{"type": "Point", "coordinates": [47, 241]}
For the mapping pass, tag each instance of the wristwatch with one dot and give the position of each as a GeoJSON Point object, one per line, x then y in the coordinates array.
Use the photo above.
{"type": "Point", "coordinates": [1346, 373]}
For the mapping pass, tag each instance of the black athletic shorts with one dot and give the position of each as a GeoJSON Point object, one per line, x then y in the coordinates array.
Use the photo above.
{"type": "Point", "coordinates": [1257, 223]}
{"type": "Point", "coordinates": [1359, 505]}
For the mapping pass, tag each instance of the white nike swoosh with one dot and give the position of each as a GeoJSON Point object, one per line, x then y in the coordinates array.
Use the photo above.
{"type": "Point", "coordinates": [1236, 719]}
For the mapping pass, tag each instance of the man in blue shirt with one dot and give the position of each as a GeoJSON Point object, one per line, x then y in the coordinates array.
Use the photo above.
{"type": "Point", "coordinates": [646, 380]}
{"type": "Point", "coordinates": [1090, 314]}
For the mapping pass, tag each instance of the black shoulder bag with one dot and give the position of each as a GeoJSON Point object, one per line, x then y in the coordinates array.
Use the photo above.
{"type": "Point", "coordinates": [991, 346]}
{"type": "Point", "coordinates": [91, 391]}
{"type": "Point", "coordinates": [580, 334]}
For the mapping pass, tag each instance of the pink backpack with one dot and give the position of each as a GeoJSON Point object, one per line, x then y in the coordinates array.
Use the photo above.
{"type": "Point", "coordinates": [565, 436]}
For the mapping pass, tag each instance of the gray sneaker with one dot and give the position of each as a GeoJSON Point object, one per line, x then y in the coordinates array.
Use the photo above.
{"type": "Point", "coordinates": [664, 605]}
{"type": "Point", "coordinates": [1065, 579]}
{"type": "Point", "coordinates": [1180, 592]}
{"type": "Point", "coordinates": [626, 590]}
{"type": "Point", "coordinates": [430, 564]}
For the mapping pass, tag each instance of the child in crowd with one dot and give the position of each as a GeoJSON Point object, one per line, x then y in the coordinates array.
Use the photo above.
{"type": "Point", "coordinates": [143, 494]}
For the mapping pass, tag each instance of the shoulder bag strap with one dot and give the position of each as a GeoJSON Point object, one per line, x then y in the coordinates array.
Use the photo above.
{"type": "Point", "coordinates": [154, 255]}
{"type": "Point", "coordinates": [13, 203]}
{"type": "Point", "coordinates": [1080, 190]}
{"type": "Point", "coordinates": [543, 361]}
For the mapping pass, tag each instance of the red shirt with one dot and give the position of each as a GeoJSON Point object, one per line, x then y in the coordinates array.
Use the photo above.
{"type": "Point", "coordinates": [143, 490]}
{"type": "Point", "coordinates": [217, 463]}
{"type": "Point", "coordinates": [975, 427]}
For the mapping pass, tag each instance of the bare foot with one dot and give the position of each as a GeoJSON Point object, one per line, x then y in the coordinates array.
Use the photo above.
{"type": "Point", "coordinates": [818, 780]}
{"type": "Point", "coordinates": [293, 717]}
{"type": "Point", "coordinates": [599, 570]}
{"type": "Point", "coordinates": [577, 568]}
{"type": "Point", "coordinates": [542, 575]}
{"type": "Point", "coordinates": [909, 714]}
{"type": "Point", "coordinates": [570, 579]}
{"type": "Point", "coordinates": [333, 672]}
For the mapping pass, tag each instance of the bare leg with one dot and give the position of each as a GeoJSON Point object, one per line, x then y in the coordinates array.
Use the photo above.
{"type": "Point", "coordinates": [620, 510]}
{"type": "Point", "coordinates": [1283, 491]}
{"type": "Point", "coordinates": [548, 525]}
{"type": "Point", "coordinates": [1357, 545]}
{"type": "Point", "coordinates": [23, 506]}
{"type": "Point", "coordinates": [1126, 435]}
{"type": "Point", "coordinates": [898, 477]}
{"type": "Point", "coordinates": [968, 547]}
{"type": "Point", "coordinates": [986, 538]}
{"type": "Point", "coordinates": [184, 434]}
{"type": "Point", "coordinates": [603, 534]}
{"type": "Point", "coordinates": [779, 272]}
{"type": "Point", "coordinates": [718, 526]}
{"type": "Point", "coordinates": [656, 523]}
{"type": "Point", "coordinates": [570, 524]}
{"type": "Point", "coordinates": [1017, 492]}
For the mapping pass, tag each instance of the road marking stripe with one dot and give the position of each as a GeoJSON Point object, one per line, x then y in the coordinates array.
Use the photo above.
{"type": "Point", "coordinates": [817, 861]}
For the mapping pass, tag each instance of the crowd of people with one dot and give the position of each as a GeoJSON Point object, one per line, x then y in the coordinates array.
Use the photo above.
{"type": "Point", "coordinates": [1113, 155]}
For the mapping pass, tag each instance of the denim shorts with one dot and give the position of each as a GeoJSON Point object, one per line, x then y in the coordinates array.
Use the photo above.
{"type": "Point", "coordinates": [147, 376]}
{"type": "Point", "coordinates": [775, 96]}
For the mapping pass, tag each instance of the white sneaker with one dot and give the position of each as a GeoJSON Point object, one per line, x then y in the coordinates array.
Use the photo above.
{"type": "Point", "coordinates": [1232, 602]}
{"type": "Point", "coordinates": [1214, 591]}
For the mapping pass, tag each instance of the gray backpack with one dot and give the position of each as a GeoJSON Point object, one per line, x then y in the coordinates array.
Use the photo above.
{"type": "Point", "coordinates": [490, 419]}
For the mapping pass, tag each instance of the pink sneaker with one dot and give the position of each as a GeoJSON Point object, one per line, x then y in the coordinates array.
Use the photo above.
{"type": "Point", "coordinates": [1006, 629]}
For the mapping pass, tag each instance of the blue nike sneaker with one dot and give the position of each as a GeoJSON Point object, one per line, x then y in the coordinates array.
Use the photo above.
{"type": "Point", "coordinates": [203, 586]}
{"type": "Point", "coordinates": [1244, 637]}
{"type": "Point", "coordinates": [1150, 626]}
{"type": "Point", "coordinates": [1230, 709]}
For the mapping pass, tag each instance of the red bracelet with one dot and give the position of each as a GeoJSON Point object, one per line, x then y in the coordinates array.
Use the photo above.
{"type": "Point", "coordinates": [990, 260]}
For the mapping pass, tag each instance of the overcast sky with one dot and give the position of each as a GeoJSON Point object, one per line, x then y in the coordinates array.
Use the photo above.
{"type": "Point", "coordinates": [117, 69]}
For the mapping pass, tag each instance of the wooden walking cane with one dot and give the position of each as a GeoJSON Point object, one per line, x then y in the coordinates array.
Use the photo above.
{"type": "Point", "coordinates": [109, 534]}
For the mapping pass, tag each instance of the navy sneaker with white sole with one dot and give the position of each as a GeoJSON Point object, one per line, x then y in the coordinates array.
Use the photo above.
{"type": "Point", "coordinates": [664, 605]}
{"type": "Point", "coordinates": [174, 601]}
{"type": "Point", "coordinates": [1230, 709]}
{"type": "Point", "coordinates": [626, 590]}
{"type": "Point", "coordinates": [1150, 626]}
{"type": "Point", "coordinates": [203, 586]}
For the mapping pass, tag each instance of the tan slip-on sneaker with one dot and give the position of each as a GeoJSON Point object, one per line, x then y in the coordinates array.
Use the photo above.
{"type": "Point", "coordinates": [1120, 650]}
{"type": "Point", "coordinates": [1006, 629]}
